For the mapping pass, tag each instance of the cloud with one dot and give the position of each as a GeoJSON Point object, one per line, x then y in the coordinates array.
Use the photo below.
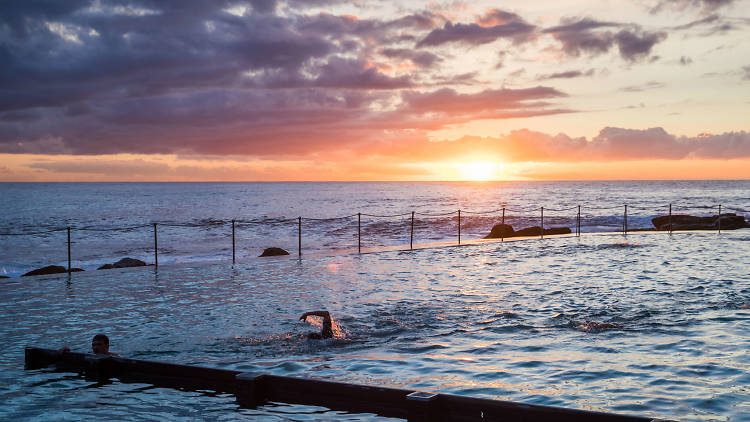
{"type": "Point", "coordinates": [704, 5]}
{"type": "Point", "coordinates": [492, 26]}
{"type": "Point", "coordinates": [419, 58]}
{"type": "Point", "coordinates": [746, 70]}
{"type": "Point", "coordinates": [611, 144]}
{"type": "Point", "coordinates": [596, 37]}
{"type": "Point", "coordinates": [570, 74]}
{"type": "Point", "coordinates": [684, 60]}
{"type": "Point", "coordinates": [643, 87]}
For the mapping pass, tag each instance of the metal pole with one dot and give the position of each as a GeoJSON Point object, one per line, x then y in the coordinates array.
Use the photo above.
{"type": "Point", "coordinates": [411, 239]}
{"type": "Point", "coordinates": [156, 251]}
{"type": "Point", "coordinates": [625, 221]}
{"type": "Point", "coordinates": [670, 218]}
{"type": "Point", "coordinates": [68, 250]}
{"type": "Point", "coordinates": [459, 227]}
{"type": "Point", "coordinates": [234, 259]}
{"type": "Point", "coordinates": [578, 222]}
{"type": "Point", "coordinates": [359, 232]}
{"type": "Point", "coordinates": [299, 236]}
{"type": "Point", "coordinates": [502, 232]}
{"type": "Point", "coordinates": [719, 219]}
{"type": "Point", "coordinates": [542, 227]}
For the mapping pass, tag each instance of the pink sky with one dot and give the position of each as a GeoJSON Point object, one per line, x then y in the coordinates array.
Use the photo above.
{"type": "Point", "coordinates": [331, 90]}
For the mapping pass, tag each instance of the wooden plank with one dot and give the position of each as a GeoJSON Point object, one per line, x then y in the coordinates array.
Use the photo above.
{"type": "Point", "coordinates": [255, 389]}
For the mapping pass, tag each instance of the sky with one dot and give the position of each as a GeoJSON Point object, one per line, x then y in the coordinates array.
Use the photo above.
{"type": "Point", "coordinates": [273, 90]}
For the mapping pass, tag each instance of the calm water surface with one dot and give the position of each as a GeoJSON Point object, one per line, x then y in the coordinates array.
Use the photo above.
{"type": "Point", "coordinates": [508, 320]}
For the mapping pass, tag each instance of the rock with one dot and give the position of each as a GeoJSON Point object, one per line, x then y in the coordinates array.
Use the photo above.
{"type": "Point", "coordinates": [4, 276]}
{"type": "Point", "coordinates": [51, 269]}
{"type": "Point", "coordinates": [274, 252]}
{"type": "Point", "coordinates": [124, 263]}
{"type": "Point", "coordinates": [505, 230]}
{"type": "Point", "coordinates": [129, 262]}
{"type": "Point", "coordinates": [530, 231]}
{"type": "Point", "coordinates": [729, 221]}
{"type": "Point", "coordinates": [557, 230]}
{"type": "Point", "coordinates": [499, 231]}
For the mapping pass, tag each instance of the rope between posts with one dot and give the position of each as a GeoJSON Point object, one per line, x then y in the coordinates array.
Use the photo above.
{"type": "Point", "coordinates": [330, 218]}
{"type": "Point", "coordinates": [483, 212]}
{"type": "Point", "coordinates": [34, 233]}
{"type": "Point", "coordinates": [561, 209]}
{"type": "Point", "coordinates": [435, 215]}
{"type": "Point", "coordinates": [96, 229]}
{"type": "Point", "coordinates": [386, 216]}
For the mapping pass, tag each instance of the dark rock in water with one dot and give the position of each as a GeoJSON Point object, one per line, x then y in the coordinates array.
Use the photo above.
{"type": "Point", "coordinates": [500, 230]}
{"type": "Point", "coordinates": [505, 230]}
{"type": "Point", "coordinates": [123, 263]}
{"type": "Point", "coordinates": [529, 231]}
{"type": "Point", "coordinates": [129, 262]}
{"type": "Point", "coordinates": [51, 269]}
{"type": "Point", "coordinates": [4, 276]}
{"type": "Point", "coordinates": [274, 252]}
{"type": "Point", "coordinates": [729, 221]}
{"type": "Point", "coordinates": [557, 230]}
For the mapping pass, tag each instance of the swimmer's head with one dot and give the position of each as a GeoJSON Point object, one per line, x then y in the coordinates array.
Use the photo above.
{"type": "Point", "coordinates": [100, 344]}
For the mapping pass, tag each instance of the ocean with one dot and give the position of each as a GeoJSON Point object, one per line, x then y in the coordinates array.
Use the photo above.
{"type": "Point", "coordinates": [194, 220]}
{"type": "Point", "coordinates": [648, 323]}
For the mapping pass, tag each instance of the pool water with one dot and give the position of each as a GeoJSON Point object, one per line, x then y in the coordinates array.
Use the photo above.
{"type": "Point", "coordinates": [648, 324]}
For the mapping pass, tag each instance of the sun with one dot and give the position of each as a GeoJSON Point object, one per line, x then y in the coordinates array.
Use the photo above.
{"type": "Point", "coordinates": [480, 171]}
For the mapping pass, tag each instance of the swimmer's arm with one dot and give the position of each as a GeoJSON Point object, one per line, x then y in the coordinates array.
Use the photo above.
{"type": "Point", "coordinates": [323, 314]}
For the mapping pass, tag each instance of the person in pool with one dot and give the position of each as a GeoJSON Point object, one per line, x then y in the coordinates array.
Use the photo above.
{"type": "Point", "coordinates": [326, 331]}
{"type": "Point", "coordinates": [99, 345]}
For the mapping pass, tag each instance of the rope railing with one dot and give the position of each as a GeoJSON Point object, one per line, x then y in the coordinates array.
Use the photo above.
{"type": "Point", "coordinates": [523, 213]}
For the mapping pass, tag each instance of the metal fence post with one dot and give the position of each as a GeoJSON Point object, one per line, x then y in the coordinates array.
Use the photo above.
{"type": "Point", "coordinates": [502, 232]}
{"type": "Point", "coordinates": [411, 238]}
{"type": "Point", "coordinates": [233, 254]}
{"type": "Point", "coordinates": [359, 232]}
{"type": "Point", "coordinates": [68, 250]}
{"type": "Point", "coordinates": [459, 227]}
{"type": "Point", "coordinates": [156, 250]}
{"type": "Point", "coordinates": [541, 232]}
{"type": "Point", "coordinates": [718, 220]}
{"type": "Point", "coordinates": [299, 236]}
{"type": "Point", "coordinates": [670, 218]}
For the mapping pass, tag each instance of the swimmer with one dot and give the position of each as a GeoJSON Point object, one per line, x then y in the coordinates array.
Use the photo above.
{"type": "Point", "coordinates": [99, 345]}
{"type": "Point", "coordinates": [326, 331]}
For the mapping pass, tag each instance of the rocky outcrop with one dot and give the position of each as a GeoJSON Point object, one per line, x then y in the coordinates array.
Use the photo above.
{"type": "Point", "coordinates": [50, 269]}
{"type": "Point", "coordinates": [124, 263]}
{"type": "Point", "coordinates": [729, 221]}
{"type": "Point", "coordinates": [274, 252]}
{"type": "Point", "coordinates": [505, 230]}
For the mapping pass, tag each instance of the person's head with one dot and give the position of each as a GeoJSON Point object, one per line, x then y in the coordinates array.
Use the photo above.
{"type": "Point", "coordinates": [100, 344]}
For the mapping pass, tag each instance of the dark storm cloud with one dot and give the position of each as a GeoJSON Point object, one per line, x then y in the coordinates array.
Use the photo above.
{"type": "Point", "coordinates": [494, 25]}
{"type": "Point", "coordinates": [146, 76]}
{"type": "Point", "coordinates": [588, 36]}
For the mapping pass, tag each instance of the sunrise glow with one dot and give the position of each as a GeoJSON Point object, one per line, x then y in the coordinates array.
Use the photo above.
{"type": "Point", "coordinates": [480, 171]}
{"type": "Point", "coordinates": [291, 90]}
